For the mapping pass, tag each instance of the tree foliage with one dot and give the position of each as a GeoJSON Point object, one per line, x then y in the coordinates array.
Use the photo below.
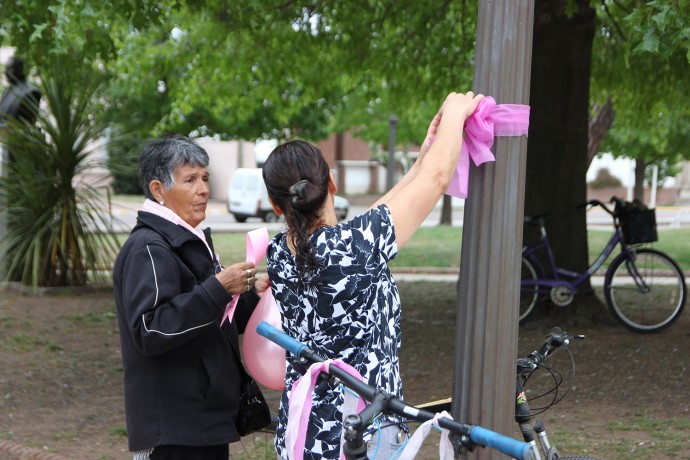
{"type": "Point", "coordinates": [659, 28]}
{"type": "Point", "coordinates": [641, 61]}
{"type": "Point", "coordinates": [257, 69]}
{"type": "Point", "coordinates": [300, 69]}
{"type": "Point", "coordinates": [306, 68]}
{"type": "Point", "coordinates": [48, 32]}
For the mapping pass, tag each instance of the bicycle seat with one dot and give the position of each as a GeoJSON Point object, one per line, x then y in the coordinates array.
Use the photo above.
{"type": "Point", "coordinates": [537, 220]}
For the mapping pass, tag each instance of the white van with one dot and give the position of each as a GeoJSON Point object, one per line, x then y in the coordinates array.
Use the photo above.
{"type": "Point", "coordinates": [247, 197]}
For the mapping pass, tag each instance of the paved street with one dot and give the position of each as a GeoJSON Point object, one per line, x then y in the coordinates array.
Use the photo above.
{"type": "Point", "coordinates": [218, 218]}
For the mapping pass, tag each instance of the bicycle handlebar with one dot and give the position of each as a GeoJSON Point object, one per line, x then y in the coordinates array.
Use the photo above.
{"type": "Point", "coordinates": [618, 203]}
{"type": "Point", "coordinates": [478, 435]}
{"type": "Point", "coordinates": [555, 339]}
{"type": "Point", "coordinates": [601, 204]}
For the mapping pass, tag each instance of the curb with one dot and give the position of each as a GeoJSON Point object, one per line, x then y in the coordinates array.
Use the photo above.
{"type": "Point", "coordinates": [19, 452]}
{"type": "Point", "coordinates": [427, 274]}
{"type": "Point", "coordinates": [24, 289]}
{"type": "Point", "coordinates": [399, 274]}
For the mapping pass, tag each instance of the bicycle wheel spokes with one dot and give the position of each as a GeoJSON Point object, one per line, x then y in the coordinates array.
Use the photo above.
{"type": "Point", "coordinates": [529, 293]}
{"type": "Point", "coordinates": [646, 293]}
{"type": "Point", "coordinates": [639, 278]}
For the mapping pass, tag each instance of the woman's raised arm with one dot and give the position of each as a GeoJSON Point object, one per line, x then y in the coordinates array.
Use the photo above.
{"type": "Point", "coordinates": [415, 195]}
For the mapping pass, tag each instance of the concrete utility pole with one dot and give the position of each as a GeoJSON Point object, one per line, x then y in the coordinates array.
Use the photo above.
{"type": "Point", "coordinates": [487, 320]}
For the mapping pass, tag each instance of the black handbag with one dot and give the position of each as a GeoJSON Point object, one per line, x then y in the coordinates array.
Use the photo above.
{"type": "Point", "coordinates": [254, 413]}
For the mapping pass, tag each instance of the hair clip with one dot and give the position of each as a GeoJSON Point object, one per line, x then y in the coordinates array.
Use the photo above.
{"type": "Point", "coordinates": [297, 190]}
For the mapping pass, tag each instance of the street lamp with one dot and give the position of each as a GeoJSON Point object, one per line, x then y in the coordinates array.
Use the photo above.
{"type": "Point", "coordinates": [390, 179]}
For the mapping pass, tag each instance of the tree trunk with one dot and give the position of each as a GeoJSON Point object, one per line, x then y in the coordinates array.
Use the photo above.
{"type": "Point", "coordinates": [446, 211]}
{"type": "Point", "coordinates": [599, 126]}
{"type": "Point", "coordinates": [558, 132]}
{"type": "Point", "coordinates": [638, 190]}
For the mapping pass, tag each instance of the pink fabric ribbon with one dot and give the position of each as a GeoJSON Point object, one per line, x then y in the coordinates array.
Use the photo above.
{"type": "Point", "coordinates": [445, 447]}
{"type": "Point", "coordinates": [257, 243]}
{"type": "Point", "coordinates": [487, 121]}
{"type": "Point", "coordinates": [300, 402]}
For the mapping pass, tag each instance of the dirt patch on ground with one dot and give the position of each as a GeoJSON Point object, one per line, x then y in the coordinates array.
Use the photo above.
{"type": "Point", "coordinates": [630, 390]}
{"type": "Point", "coordinates": [61, 377]}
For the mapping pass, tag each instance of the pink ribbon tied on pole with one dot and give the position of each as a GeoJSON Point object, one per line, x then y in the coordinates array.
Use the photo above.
{"type": "Point", "coordinates": [257, 242]}
{"type": "Point", "coordinates": [487, 121]}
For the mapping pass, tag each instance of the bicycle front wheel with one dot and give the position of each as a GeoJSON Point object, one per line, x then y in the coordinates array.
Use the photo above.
{"type": "Point", "coordinates": [529, 293]}
{"type": "Point", "coordinates": [645, 290]}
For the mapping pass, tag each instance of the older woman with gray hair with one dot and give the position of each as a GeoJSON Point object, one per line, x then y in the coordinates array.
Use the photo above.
{"type": "Point", "coordinates": [182, 376]}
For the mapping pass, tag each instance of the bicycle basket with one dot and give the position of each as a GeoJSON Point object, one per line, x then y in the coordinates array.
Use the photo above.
{"type": "Point", "coordinates": [637, 222]}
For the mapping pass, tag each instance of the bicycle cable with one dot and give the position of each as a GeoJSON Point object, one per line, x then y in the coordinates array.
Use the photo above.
{"type": "Point", "coordinates": [558, 379]}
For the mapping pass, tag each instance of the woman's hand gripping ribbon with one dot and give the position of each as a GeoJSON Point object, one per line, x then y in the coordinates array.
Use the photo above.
{"type": "Point", "coordinates": [257, 242]}
{"type": "Point", "coordinates": [487, 121]}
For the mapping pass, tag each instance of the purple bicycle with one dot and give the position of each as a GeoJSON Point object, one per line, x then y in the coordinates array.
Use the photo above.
{"type": "Point", "coordinates": [644, 288]}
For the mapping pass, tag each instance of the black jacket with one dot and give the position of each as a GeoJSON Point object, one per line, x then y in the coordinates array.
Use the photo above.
{"type": "Point", "coordinates": [181, 376]}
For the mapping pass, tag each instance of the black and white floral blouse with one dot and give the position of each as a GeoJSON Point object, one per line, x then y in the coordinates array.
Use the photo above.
{"type": "Point", "coordinates": [349, 309]}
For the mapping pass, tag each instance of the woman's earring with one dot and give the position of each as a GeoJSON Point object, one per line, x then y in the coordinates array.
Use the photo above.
{"type": "Point", "coordinates": [162, 203]}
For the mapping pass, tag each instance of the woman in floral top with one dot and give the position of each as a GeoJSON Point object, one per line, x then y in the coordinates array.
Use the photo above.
{"type": "Point", "coordinates": [331, 280]}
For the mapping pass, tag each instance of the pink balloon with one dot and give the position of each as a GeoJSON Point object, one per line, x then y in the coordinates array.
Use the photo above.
{"type": "Point", "coordinates": [264, 360]}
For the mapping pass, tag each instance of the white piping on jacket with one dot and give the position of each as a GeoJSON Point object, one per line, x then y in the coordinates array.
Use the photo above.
{"type": "Point", "coordinates": [143, 316]}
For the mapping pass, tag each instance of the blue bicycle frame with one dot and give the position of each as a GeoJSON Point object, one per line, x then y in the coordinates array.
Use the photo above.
{"type": "Point", "coordinates": [470, 435]}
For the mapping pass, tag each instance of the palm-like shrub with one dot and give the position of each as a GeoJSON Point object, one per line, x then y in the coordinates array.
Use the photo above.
{"type": "Point", "coordinates": [57, 230]}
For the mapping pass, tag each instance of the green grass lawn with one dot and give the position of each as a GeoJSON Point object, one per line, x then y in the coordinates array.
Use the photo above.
{"type": "Point", "coordinates": [439, 247]}
{"type": "Point", "coordinates": [430, 247]}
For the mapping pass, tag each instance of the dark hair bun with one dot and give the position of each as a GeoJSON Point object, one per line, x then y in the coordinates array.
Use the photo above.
{"type": "Point", "coordinates": [305, 195]}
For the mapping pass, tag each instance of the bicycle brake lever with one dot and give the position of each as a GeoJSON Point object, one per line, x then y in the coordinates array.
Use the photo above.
{"type": "Point", "coordinates": [461, 443]}
{"type": "Point", "coordinates": [526, 364]}
{"type": "Point", "coordinates": [559, 337]}
{"type": "Point", "coordinates": [566, 340]}
{"type": "Point", "coordinates": [300, 366]}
